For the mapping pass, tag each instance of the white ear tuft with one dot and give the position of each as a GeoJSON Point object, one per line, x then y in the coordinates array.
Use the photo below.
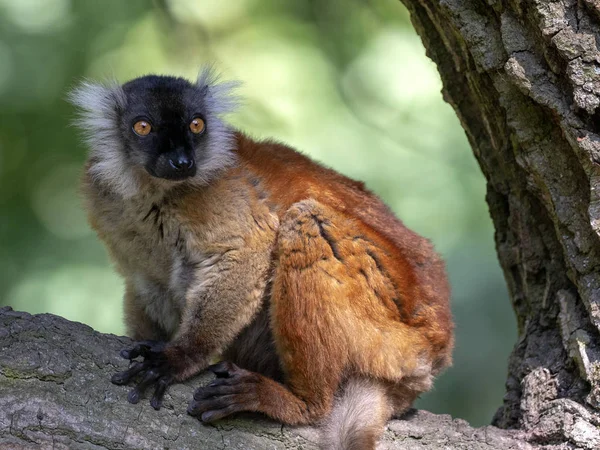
{"type": "Point", "coordinates": [98, 99]}
{"type": "Point", "coordinates": [99, 106]}
{"type": "Point", "coordinates": [221, 97]}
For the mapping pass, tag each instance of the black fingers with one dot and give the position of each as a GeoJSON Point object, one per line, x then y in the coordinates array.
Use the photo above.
{"type": "Point", "coordinates": [154, 370]}
{"type": "Point", "coordinates": [161, 386]}
{"type": "Point", "coordinates": [213, 415]}
{"type": "Point", "coordinates": [130, 353]}
{"type": "Point", "coordinates": [127, 375]}
{"type": "Point", "coordinates": [215, 408]}
{"type": "Point", "coordinates": [149, 378]}
{"type": "Point", "coordinates": [233, 390]}
{"type": "Point", "coordinates": [224, 369]}
{"type": "Point", "coordinates": [143, 348]}
{"type": "Point", "coordinates": [214, 389]}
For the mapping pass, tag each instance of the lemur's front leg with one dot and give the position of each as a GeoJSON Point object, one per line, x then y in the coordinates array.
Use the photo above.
{"type": "Point", "coordinates": [224, 298]}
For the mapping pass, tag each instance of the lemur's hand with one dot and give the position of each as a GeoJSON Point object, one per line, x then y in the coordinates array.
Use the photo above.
{"type": "Point", "coordinates": [153, 370]}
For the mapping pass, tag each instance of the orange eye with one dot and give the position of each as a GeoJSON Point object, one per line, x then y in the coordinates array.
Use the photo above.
{"type": "Point", "coordinates": [197, 125]}
{"type": "Point", "coordinates": [142, 128]}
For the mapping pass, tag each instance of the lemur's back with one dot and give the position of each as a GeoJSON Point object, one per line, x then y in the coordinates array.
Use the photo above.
{"type": "Point", "coordinates": [417, 269]}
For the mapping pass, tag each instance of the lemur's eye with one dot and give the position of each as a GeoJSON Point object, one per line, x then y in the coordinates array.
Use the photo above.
{"type": "Point", "coordinates": [197, 125]}
{"type": "Point", "coordinates": [142, 127]}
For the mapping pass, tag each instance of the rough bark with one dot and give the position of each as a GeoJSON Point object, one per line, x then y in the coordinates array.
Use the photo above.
{"type": "Point", "coordinates": [524, 79]}
{"type": "Point", "coordinates": [55, 393]}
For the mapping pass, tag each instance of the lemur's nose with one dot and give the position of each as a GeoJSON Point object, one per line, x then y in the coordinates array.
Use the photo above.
{"type": "Point", "coordinates": [181, 163]}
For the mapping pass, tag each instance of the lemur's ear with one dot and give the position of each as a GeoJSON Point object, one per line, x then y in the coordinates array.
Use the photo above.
{"type": "Point", "coordinates": [97, 100]}
{"type": "Point", "coordinates": [98, 108]}
{"type": "Point", "coordinates": [219, 96]}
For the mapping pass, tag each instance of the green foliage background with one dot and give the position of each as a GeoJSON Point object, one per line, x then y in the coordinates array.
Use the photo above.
{"type": "Point", "coordinates": [346, 81]}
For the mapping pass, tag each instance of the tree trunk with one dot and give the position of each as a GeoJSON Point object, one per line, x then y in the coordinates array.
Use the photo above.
{"type": "Point", "coordinates": [524, 78]}
{"type": "Point", "coordinates": [55, 393]}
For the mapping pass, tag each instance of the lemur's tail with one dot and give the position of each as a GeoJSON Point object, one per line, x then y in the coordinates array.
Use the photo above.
{"type": "Point", "coordinates": [358, 416]}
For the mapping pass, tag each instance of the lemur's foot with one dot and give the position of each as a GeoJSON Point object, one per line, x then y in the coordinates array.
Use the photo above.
{"type": "Point", "coordinates": [153, 370]}
{"type": "Point", "coordinates": [234, 390]}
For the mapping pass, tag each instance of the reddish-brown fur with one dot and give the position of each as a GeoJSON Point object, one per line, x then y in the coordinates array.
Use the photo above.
{"type": "Point", "coordinates": [320, 303]}
{"type": "Point", "coordinates": [412, 264]}
{"type": "Point", "coordinates": [301, 275]}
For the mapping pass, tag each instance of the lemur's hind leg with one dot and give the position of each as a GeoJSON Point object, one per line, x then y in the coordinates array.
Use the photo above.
{"type": "Point", "coordinates": [334, 320]}
{"type": "Point", "coordinates": [312, 356]}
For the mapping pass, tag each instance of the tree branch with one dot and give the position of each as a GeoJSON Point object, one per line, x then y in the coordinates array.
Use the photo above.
{"type": "Point", "coordinates": [55, 393]}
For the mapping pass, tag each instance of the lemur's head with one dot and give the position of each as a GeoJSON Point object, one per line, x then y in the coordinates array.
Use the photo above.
{"type": "Point", "coordinates": [166, 126]}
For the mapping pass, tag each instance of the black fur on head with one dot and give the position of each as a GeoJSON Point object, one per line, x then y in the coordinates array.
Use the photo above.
{"type": "Point", "coordinates": [170, 150]}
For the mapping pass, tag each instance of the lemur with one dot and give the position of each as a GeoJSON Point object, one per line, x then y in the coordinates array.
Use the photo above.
{"type": "Point", "coordinates": [323, 306]}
